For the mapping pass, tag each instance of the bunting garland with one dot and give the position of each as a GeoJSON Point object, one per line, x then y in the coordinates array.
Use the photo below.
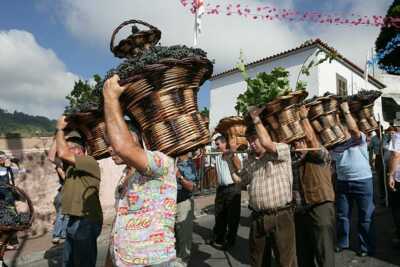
{"type": "Point", "coordinates": [270, 13]}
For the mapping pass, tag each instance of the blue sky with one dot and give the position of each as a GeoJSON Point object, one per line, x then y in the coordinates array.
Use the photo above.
{"type": "Point", "coordinates": [69, 39]}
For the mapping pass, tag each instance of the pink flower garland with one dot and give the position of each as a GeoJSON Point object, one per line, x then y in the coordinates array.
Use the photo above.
{"type": "Point", "coordinates": [269, 13]}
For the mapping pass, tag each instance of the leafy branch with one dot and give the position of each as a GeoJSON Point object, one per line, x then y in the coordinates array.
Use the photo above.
{"type": "Point", "coordinates": [264, 88]}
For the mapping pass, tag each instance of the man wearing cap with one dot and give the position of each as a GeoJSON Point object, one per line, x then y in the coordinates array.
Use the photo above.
{"type": "Point", "coordinates": [80, 199]}
{"type": "Point", "coordinates": [268, 171]}
{"type": "Point", "coordinates": [354, 184]}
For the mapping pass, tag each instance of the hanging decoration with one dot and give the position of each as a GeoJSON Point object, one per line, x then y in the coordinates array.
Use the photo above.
{"type": "Point", "coordinates": [271, 13]}
{"type": "Point", "coordinates": [199, 12]}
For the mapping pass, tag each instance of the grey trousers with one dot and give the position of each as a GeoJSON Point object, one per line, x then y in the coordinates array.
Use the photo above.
{"type": "Point", "coordinates": [184, 230]}
{"type": "Point", "coordinates": [315, 236]}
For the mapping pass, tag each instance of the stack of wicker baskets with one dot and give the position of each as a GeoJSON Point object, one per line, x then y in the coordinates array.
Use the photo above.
{"type": "Point", "coordinates": [281, 118]}
{"type": "Point", "coordinates": [91, 124]}
{"type": "Point", "coordinates": [324, 118]}
{"type": "Point", "coordinates": [364, 115]}
{"type": "Point", "coordinates": [234, 128]}
{"type": "Point", "coordinates": [162, 98]}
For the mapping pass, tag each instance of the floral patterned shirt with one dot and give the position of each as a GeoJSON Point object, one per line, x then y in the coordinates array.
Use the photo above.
{"type": "Point", "coordinates": [143, 232]}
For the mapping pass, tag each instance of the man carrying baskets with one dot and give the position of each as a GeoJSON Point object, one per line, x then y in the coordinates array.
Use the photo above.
{"type": "Point", "coordinates": [315, 210]}
{"type": "Point", "coordinates": [268, 170]}
{"type": "Point", "coordinates": [354, 183]}
{"type": "Point", "coordinates": [143, 233]}
{"type": "Point", "coordinates": [80, 199]}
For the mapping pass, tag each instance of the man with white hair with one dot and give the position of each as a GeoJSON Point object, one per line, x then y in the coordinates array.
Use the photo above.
{"type": "Point", "coordinates": [394, 182]}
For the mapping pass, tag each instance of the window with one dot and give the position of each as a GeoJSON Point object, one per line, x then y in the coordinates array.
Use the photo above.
{"type": "Point", "coordinates": [341, 85]}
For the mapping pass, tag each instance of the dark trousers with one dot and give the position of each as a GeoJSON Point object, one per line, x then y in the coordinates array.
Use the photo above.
{"type": "Point", "coordinates": [394, 200]}
{"type": "Point", "coordinates": [380, 176]}
{"type": "Point", "coordinates": [273, 232]}
{"type": "Point", "coordinates": [227, 213]}
{"type": "Point", "coordinates": [360, 192]}
{"type": "Point", "coordinates": [80, 246]}
{"type": "Point", "coordinates": [315, 236]}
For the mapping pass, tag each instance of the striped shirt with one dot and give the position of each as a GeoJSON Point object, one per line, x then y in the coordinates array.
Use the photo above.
{"type": "Point", "coordinates": [270, 178]}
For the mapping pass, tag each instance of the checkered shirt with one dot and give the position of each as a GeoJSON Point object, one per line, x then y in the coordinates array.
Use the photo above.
{"type": "Point", "coordinates": [270, 178]}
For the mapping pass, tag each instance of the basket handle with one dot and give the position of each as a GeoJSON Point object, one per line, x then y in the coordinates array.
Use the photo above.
{"type": "Point", "coordinates": [123, 24]}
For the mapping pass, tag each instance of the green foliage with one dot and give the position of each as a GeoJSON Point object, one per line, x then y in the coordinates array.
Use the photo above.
{"type": "Point", "coordinates": [387, 34]}
{"type": "Point", "coordinates": [205, 112]}
{"type": "Point", "coordinates": [24, 125]}
{"type": "Point", "coordinates": [83, 96]}
{"type": "Point", "coordinates": [263, 88]}
{"type": "Point", "coordinates": [301, 86]}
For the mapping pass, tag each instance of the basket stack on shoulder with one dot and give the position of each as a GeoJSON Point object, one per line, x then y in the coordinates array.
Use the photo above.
{"type": "Point", "coordinates": [324, 118]}
{"type": "Point", "coordinates": [362, 108]}
{"type": "Point", "coordinates": [281, 117]}
{"type": "Point", "coordinates": [234, 128]}
{"type": "Point", "coordinates": [91, 124]}
{"type": "Point", "coordinates": [162, 96]}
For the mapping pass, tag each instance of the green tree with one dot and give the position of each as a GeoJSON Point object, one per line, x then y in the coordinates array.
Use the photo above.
{"type": "Point", "coordinates": [387, 34]}
{"type": "Point", "coordinates": [205, 112]}
{"type": "Point", "coordinates": [83, 96]}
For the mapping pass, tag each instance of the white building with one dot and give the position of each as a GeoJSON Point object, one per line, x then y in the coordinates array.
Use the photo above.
{"type": "Point", "coordinates": [341, 76]}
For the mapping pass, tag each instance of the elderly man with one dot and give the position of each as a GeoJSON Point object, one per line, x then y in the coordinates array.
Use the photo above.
{"type": "Point", "coordinates": [394, 182]}
{"type": "Point", "coordinates": [80, 199]}
{"type": "Point", "coordinates": [354, 184]}
{"type": "Point", "coordinates": [228, 197]}
{"type": "Point", "coordinates": [268, 170]}
{"type": "Point", "coordinates": [143, 233]}
{"type": "Point", "coordinates": [315, 212]}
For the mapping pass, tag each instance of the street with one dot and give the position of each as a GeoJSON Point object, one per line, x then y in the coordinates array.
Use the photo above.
{"type": "Point", "coordinates": [205, 255]}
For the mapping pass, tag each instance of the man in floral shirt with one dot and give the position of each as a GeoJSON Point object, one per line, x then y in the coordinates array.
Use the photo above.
{"type": "Point", "coordinates": [143, 233]}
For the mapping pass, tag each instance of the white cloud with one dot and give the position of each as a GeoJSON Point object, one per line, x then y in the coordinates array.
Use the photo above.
{"type": "Point", "coordinates": [32, 79]}
{"type": "Point", "coordinates": [92, 21]}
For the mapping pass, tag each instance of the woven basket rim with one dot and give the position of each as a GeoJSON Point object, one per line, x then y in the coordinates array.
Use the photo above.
{"type": "Point", "coordinates": [228, 122]}
{"type": "Point", "coordinates": [168, 63]}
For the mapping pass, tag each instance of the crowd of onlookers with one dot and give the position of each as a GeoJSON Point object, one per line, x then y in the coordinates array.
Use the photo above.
{"type": "Point", "coordinates": [301, 199]}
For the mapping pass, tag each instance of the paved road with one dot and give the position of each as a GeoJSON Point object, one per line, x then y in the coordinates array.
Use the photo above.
{"type": "Point", "coordinates": [204, 255]}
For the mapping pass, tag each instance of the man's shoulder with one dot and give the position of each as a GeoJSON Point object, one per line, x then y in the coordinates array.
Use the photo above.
{"type": "Point", "coordinates": [87, 164]}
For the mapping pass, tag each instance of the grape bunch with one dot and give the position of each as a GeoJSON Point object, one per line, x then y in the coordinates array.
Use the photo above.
{"type": "Point", "coordinates": [8, 216]}
{"type": "Point", "coordinates": [23, 218]}
{"type": "Point", "coordinates": [366, 96]}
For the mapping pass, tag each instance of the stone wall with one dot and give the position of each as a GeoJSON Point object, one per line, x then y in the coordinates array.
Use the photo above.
{"type": "Point", "coordinates": [40, 181]}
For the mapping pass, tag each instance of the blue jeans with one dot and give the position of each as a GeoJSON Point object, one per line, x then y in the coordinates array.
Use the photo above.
{"type": "Point", "coordinates": [80, 246]}
{"type": "Point", "coordinates": [60, 226]}
{"type": "Point", "coordinates": [360, 192]}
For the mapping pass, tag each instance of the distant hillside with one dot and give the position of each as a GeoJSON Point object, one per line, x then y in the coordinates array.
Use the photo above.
{"type": "Point", "coordinates": [24, 125]}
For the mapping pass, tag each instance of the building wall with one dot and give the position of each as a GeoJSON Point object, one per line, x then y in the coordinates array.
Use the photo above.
{"type": "Point", "coordinates": [327, 82]}
{"type": "Point", "coordinates": [225, 89]}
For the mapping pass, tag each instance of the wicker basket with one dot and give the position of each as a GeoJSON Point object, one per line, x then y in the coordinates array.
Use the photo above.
{"type": "Point", "coordinates": [137, 42]}
{"type": "Point", "coordinates": [177, 136]}
{"type": "Point", "coordinates": [7, 231]}
{"type": "Point", "coordinates": [162, 99]}
{"type": "Point", "coordinates": [234, 127]}
{"type": "Point", "coordinates": [93, 127]}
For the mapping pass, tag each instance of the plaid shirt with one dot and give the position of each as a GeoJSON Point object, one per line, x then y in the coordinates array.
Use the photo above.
{"type": "Point", "coordinates": [270, 178]}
